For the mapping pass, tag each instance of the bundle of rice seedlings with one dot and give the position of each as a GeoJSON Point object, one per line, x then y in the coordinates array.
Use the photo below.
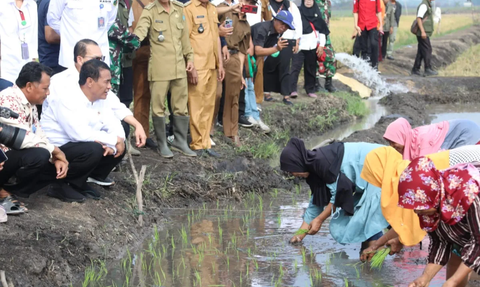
{"type": "Point", "coordinates": [378, 258]}
{"type": "Point", "coordinates": [301, 232]}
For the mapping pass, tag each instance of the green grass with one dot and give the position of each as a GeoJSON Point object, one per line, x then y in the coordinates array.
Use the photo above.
{"type": "Point", "coordinates": [263, 150]}
{"type": "Point", "coordinates": [355, 105]}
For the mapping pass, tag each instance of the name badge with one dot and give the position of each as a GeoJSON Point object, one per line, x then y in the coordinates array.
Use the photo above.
{"type": "Point", "coordinates": [201, 16]}
{"type": "Point", "coordinates": [25, 53]}
{"type": "Point", "coordinates": [101, 22]}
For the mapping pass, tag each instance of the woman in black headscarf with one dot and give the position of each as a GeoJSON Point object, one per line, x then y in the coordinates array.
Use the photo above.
{"type": "Point", "coordinates": [312, 42]}
{"type": "Point", "coordinates": [333, 174]}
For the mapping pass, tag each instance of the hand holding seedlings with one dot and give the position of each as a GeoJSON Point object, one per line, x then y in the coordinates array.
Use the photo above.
{"type": "Point", "coordinates": [314, 226]}
{"type": "Point", "coordinates": [395, 246]}
{"type": "Point", "coordinates": [367, 254]}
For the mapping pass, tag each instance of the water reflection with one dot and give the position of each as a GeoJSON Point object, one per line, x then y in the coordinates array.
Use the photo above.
{"type": "Point", "coordinates": [248, 246]}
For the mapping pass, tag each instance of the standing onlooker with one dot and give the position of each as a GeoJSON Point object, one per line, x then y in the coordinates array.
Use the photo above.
{"type": "Point", "coordinates": [202, 26]}
{"type": "Point", "coordinates": [397, 8]}
{"type": "Point", "coordinates": [76, 20]}
{"type": "Point", "coordinates": [425, 30]}
{"type": "Point", "coordinates": [48, 40]}
{"type": "Point", "coordinates": [330, 63]}
{"type": "Point", "coordinates": [388, 26]}
{"type": "Point", "coordinates": [141, 90]}
{"type": "Point", "coordinates": [312, 45]}
{"type": "Point", "coordinates": [367, 15]}
{"type": "Point", "coordinates": [380, 31]}
{"type": "Point", "coordinates": [19, 34]}
{"type": "Point", "coordinates": [276, 70]}
{"type": "Point", "coordinates": [163, 22]}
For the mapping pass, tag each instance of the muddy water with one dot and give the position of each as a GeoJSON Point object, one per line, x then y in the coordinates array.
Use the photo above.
{"type": "Point", "coordinates": [455, 111]}
{"type": "Point", "coordinates": [247, 245]}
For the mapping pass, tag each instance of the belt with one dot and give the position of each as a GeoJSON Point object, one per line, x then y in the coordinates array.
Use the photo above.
{"type": "Point", "coordinates": [145, 42]}
{"type": "Point", "coordinates": [233, 51]}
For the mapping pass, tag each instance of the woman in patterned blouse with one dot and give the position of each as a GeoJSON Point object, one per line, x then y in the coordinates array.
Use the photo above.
{"type": "Point", "coordinates": [448, 207]}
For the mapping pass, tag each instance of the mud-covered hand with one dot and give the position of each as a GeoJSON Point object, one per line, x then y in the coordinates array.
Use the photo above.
{"type": "Point", "coordinates": [395, 245]}
{"type": "Point", "coordinates": [314, 226]}
{"type": "Point", "coordinates": [193, 77]}
{"type": "Point", "coordinates": [367, 254]}
{"type": "Point", "coordinates": [419, 282]}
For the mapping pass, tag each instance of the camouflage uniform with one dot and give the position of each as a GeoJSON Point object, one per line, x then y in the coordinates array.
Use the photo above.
{"type": "Point", "coordinates": [330, 62]}
{"type": "Point", "coordinates": [121, 41]}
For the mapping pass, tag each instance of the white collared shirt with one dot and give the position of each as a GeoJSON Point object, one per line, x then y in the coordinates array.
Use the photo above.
{"type": "Point", "coordinates": [74, 118]}
{"type": "Point", "coordinates": [297, 22]}
{"type": "Point", "coordinates": [75, 20]}
{"type": "Point", "coordinates": [13, 33]}
{"type": "Point", "coordinates": [68, 78]}
{"type": "Point", "coordinates": [14, 99]}
{"type": "Point", "coordinates": [310, 41]}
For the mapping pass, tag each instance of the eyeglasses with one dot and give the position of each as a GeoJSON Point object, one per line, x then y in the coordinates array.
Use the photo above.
{"type": "Point", "coordinates": [100, 58]}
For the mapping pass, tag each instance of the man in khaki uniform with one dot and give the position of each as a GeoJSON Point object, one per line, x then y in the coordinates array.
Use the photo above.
{"type": "Point", "coordinates": [164, 23]}
{"type": "Point", "coordinates": [141, 90]}
{"type": "Point", "coordinates": [202, 20]}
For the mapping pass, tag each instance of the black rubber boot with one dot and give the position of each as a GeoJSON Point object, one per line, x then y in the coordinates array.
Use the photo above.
{"type": "Point", "coordinates": [329, 85]}
{"type": "Point", "coordinates": [430, 72]}
{"type": "Point", "coordinates": [318, 87]}
{"type": "Point", "coordinates": [180, 130]}
{"type": "Point", "coordinates": [159, 126]}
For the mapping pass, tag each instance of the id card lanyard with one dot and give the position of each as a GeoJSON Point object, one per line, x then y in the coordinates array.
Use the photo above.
{"type": "Point", "coordinates": [101, 16]}
{"type": "Point", "coordinates": [24, 45]}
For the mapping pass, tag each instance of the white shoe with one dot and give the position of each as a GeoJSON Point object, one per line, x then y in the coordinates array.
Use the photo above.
{"type": "Point", "coordinates": [212, 143]}
{"type": "Point", "coordinates": [259, 108]}
{"type": "Point", "coordinates": [253, 121]}
{"type": "Point", "coordinates": [263, 126]}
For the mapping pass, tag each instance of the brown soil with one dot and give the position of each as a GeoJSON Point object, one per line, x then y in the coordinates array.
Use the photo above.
{"type": "Point", "coordinates": [54, 243]}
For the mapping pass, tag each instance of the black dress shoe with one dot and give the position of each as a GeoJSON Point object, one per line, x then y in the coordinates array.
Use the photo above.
{"type": "Point", "coordinates": [243, 122]}
{"type": "Point", "coordinates": [65, 192]}
{"type": "Point", "coordinates": [416, 73]}
{"type": "Point", "coordinates": [89, 192]}
{"type": "Point", "coordinates": [150, 143]}
{"type": "Point", "coordinates": [212, 153]}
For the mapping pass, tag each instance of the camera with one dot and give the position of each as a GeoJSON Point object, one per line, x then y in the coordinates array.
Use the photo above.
{"type": "Point", "coordinates": [249, 9]}
{"type": "Point", "coordinates": [11, 137]}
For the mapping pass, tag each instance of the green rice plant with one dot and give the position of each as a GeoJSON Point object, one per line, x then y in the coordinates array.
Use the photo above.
{"type": "Point", "coordinates": [304, 251]}
{"type": "Point", "coordinates": [346, 282]}
{"type": "Point", "coordinates": [379, 258]}
{"type": "Point", "coordinates": [301, 232]}
{"type": "Point", "coordinates": [184, 235]}
{"type": "Point", "coordinates": [297, 188]}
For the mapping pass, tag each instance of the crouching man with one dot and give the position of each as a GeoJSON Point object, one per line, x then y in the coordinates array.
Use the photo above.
{"type": "Point", "coordinates": [23, 170]}
{"type": "Point", "coordinates": [83, 122]}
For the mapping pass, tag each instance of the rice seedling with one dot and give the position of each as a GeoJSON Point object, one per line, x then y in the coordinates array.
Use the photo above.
{"type": "Point", "coordinates": [304, 251]}
{"type": "Point", "coordinates": [379, 258]}
{"type": "Point", "coordinates": [184, 235]}
{"type": "Point", "coordinates": [346, 282]}
{"type": "Point", "coordinates": [301, 232]}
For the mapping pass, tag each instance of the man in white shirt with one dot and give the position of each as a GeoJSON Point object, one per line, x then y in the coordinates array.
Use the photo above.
{"type": "Point", "coordinates": [85, 50]}
{"type": "Point", "coordinates": [83, 120]}
{"type": "Point", "coordinates": [74, 20]}
{"type": "Point", "coordinates": [19, 33]}
{"type": "Point", "coordinates": [37, 162]}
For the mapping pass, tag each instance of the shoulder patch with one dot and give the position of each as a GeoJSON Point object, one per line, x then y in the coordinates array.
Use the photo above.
{"type": "Point", "coordinates": [178, 3]}
{"type": "Point", "coordinates": [150, 6]}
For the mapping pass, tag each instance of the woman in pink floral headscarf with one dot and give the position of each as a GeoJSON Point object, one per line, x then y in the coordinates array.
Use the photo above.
{"type": "Point", "coordinates": [448, 207]}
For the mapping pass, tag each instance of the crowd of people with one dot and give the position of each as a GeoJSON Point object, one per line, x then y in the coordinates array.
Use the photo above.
{"type": "Point", "coordinates": [426, 181]}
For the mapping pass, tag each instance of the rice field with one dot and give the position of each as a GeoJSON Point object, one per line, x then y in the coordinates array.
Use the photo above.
{"type": "Point", "coordinates": [466, 65]}
{"type": "Point", "coordinates": [341, 29]}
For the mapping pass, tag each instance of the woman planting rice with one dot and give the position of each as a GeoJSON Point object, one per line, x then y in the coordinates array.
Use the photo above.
{"type": "Point", "coordinates": [333, 173]}
{"type": "Point", "coordinates": [412, 143]}
{"type": "Point", "coordinates": [448, 207]}
{"type": "Point", "coordinates": [383, 167]}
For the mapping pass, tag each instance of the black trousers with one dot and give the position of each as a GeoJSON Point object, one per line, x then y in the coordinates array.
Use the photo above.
{"type": "Point", "coordinates": [125, 91]}
{"type": "Point", "coordinates": [369, 41]}
{"type": "Point", "coordinates": [241, 103]}
{"type": "Point", "coordinates": [276, 72]}
{"type": "Point", "coordinates": [26, 166]}
{"type": "Point", "coordinates": [307, 59]}
{"type": "Point", "coordinates": [222, 104]}
{"type": "Point", "coordinates": [385, 37]}
{"type": "Point", "coordinates": [357, 47]}
{"type": "Point", "coordinates": [424, 52]}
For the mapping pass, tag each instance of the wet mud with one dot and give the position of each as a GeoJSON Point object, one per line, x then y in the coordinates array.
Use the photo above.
{"type": "Point", "coordinates": [55, 242]}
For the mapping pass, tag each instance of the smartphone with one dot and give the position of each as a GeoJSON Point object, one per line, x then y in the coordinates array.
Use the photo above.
{"type": "Point", "coordinates": [249, 9]}
{"type": "Point", "coordinates": [292, 43]}
{"type": "Point", "coordinates": [3, 156]}
{"type": "Point", "coordinates": [228, 23]}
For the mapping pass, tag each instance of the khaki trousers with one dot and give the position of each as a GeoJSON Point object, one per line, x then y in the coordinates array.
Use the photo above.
{"type": "Point", "coordinates": [233, 83]}
{"type": "Point", "coordinates": [218, 98]}
{"type": "Point", "coordinates": [179, 90]}
{"type": "Point", "coordinates": [258, 85]}
{"type": "Point", "coordinates": [201, 105]}
{"type": "Point", "coordinates": [141, 91]}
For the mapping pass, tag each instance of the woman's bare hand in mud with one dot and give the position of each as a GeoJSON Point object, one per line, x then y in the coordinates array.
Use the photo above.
{"type": "Point", "coordinates": [314, 226]}
{"type": "Point", "coordinates": [419, 282]}
{"type": "Point", "coordinates": [367, 254]}
{"type": "Point", "coordinates": [395, 246]}
{"type": "Point", "coordinates": [297, 239]}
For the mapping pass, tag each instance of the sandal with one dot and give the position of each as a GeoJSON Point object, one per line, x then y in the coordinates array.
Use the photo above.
{"type": "Point", "coordinates": [10, 207]}
{"type": "Point", "coordinates": [17, 202]}
{"type": "Point", "coordinates": [287, 102]}
{"type": "Point", "coordinates": [267, 98]}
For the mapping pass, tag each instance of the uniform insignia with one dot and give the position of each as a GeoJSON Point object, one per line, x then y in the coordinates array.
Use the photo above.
{"type": "Point", "coordinates": [200, 16]}
{"type": "Point", "coordinates": [178, 3]}
{"type": "Point", "coordinates": [158, 21]}
{"type": "Point", "coordinates": [150, 6]}
{"type": "Point", "coordinates": [115, 3]}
